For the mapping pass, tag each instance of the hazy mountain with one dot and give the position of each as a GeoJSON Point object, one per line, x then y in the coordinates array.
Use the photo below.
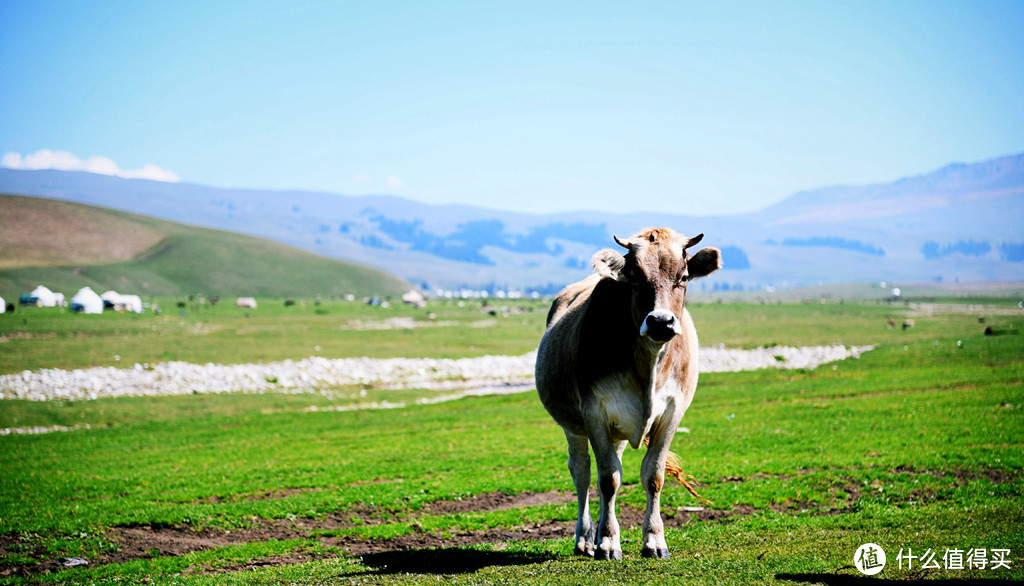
{"type": "Point", "coordinates": [961, 222]}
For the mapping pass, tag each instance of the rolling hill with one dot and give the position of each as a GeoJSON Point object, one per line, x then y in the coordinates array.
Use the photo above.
{"type": "Point", "coordinates": [66, 246]}
{"type": "Point", "coordinates": [960, 223]}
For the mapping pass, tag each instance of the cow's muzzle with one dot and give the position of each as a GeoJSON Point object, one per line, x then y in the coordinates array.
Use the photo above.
{"type": "Point", "coordinates": [660, 326]}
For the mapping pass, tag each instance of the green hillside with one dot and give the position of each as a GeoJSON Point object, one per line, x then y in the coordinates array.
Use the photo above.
{"type": "Point", "coordinates": [183, 260]}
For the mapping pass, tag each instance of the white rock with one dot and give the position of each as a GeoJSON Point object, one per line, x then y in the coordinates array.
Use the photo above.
{"type": "Point", "coordinates": [472, 375]}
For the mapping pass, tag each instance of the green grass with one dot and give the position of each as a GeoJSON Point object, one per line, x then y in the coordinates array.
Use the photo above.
{"type": "Point", "coordinates": [187, 260]}
{"type": "Point", "coordinates": [49, 338]}
{"type": "Point", "coordinates": [917, 444]}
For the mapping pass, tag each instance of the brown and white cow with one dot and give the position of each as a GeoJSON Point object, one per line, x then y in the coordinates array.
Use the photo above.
{"type": "Point", "coordinates": [618, 364]}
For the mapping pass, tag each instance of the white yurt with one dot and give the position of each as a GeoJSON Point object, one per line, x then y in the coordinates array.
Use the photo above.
{"type": "Point", "coordinates": [3, 305]}
{"type": "Point", "coordinates": [132, 303]}
{"type": "Point", "coordinates": [119, 302]}
{"type": "Point", "coordinates": [86, 301]}
{"type": "Point", "coordinates": [111, 299]}
{"type": "Point", "coordinates": [414, 298]}
{"type": "Point", "coordinates": [44, 297]}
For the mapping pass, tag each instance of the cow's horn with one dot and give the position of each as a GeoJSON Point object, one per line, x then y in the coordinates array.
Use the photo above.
{"type": "Point", "coordinates": [621, 243]}
{"type": "Point", "coordinates": [694, 240]}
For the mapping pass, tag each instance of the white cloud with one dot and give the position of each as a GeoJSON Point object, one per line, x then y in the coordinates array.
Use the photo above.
{"type": "Point", "coordinates": [394, 183]}
{"type": "Point", "coordinates": [66, 161]}
{"type": "Point", "coordinates": [11, 161]}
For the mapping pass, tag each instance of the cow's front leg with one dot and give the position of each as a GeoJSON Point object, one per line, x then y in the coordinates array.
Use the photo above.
{"type": "Point", "coordinates": [579, 468]}
{"type": "Point", "coordinates": [652, 475]}
{"type": "Point", "coordinates": [609, 479]}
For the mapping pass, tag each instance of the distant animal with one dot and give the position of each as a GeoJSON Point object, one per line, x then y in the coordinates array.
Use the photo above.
{"type": "Point", "coordinates": [618, 364]}
{"type": "Point", "coordinates": [907, 324]}
{"type": "Point", "coordinates": [247, 302]}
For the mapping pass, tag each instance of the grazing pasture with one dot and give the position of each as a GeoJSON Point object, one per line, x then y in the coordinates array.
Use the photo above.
{"type": "Point", "coordinates": [917, 445]}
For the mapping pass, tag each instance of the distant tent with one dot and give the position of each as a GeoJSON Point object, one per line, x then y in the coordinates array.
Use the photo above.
{"type": "Point", "coordinates": [132, 303]}
{"type": "Point", "coordinates": [414, 298]}
{"type": "Point", "coordinates": [117, 302]}
{"type": "Point", "coordinates": [86, 301]}
{"type": "Point", "coordinates": [249, 302]}
{"type": "Point", "coordinates": [44, 297]}
{"type": "Point", "coordinates": [3, 305]}
{"type": "Point", "coordinates": [110, 299]}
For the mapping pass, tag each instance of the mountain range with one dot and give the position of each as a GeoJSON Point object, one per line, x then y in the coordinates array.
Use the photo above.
{"type": "Point", "coordinates": [962, 223]}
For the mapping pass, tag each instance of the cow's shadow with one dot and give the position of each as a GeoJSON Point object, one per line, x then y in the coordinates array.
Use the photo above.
{"type": "Point", "coordinates": [452, 560]}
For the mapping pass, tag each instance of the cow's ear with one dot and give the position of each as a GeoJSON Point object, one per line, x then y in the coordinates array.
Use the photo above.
{"type": "Point", "coordinates": [705, 262]}
{"type": "Point", "coordinates": [609, 263]}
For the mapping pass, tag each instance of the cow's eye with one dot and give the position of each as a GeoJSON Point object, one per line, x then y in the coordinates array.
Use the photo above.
{"type": "Point", "coordinates": [682, 279]}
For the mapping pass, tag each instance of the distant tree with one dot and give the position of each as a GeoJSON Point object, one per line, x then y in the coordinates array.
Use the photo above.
{"type": "Point", "coordinates": [1012, 252]}
{"type": "Point", "coordinates": [932, 250]}
{"type": "Point", "coordinates": [734, 258]}
{"type": "Point", "coordinates": [834, 242]}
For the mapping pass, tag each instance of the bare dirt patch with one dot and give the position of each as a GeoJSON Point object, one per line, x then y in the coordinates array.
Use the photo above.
{"type": "Point", "coordinates": [266, 562]}
{"type": "Point", "coordinates": [258, 496]}
{"type": "Point", "coordinates": [396, 323]}
{"type": "Point", "coordinates": [497, 501]}
{"type": "Point", "coordinates": [993, 475]}
{"type": "Point", "coordinates": [358, 546]}
{"type": "Point", "coordinates": [152, 541]}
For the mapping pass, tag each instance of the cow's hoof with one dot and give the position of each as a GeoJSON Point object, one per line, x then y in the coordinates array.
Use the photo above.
{"type": "Point", "coordinates": [603, 554]}
{"type": "Point", "coordinates": [584, 551]}
{"type": "Point", "coordinates": [656, 554]}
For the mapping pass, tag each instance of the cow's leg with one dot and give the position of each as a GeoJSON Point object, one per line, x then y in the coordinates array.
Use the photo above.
{"type": "Point", "coordinates": [652, 475]}
{"type": "Point", "coordinates": [579, 468]}
{"type": "Point", "coordinates": [609, 479]}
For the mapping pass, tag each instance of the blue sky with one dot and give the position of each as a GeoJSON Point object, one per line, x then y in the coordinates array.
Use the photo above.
{"type": "Point", "coordinates": [681, 107]}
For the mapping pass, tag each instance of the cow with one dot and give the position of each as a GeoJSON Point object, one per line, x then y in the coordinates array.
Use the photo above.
{"type": "Point", "coordinates": [618, 364]}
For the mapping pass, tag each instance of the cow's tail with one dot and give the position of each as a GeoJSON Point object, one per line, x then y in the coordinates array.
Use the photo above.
{"type": "Point", "coordinates": [674, 468]}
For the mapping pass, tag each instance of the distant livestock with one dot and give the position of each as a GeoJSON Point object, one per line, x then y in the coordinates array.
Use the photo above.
{"type": "Point", "coordinates": [618, 364]}
{"type": "Point", "coordinates": [248, 302]}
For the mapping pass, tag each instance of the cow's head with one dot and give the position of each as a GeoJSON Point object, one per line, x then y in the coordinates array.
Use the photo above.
{"type": "Point", "coordinates": [657, 268]}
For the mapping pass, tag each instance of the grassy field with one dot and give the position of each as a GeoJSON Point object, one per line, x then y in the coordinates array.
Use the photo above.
{"type": "Point", "coordinates": [915, 446]}
{"type": "Point", "coordinates": [36, 338]}
{"type": "Point", "coordinates": [66, 246]}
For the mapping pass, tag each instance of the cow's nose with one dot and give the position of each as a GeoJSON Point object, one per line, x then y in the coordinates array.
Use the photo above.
{"type": "Point", "coordinates": [660, 325]}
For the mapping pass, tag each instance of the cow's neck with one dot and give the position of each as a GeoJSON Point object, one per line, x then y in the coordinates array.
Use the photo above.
{"type": "Point", "coordinates": [649, 358]}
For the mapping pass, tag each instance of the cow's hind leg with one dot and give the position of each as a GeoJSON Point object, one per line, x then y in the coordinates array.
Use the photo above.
{"type": "Point", "coordinates": [579, 467]}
